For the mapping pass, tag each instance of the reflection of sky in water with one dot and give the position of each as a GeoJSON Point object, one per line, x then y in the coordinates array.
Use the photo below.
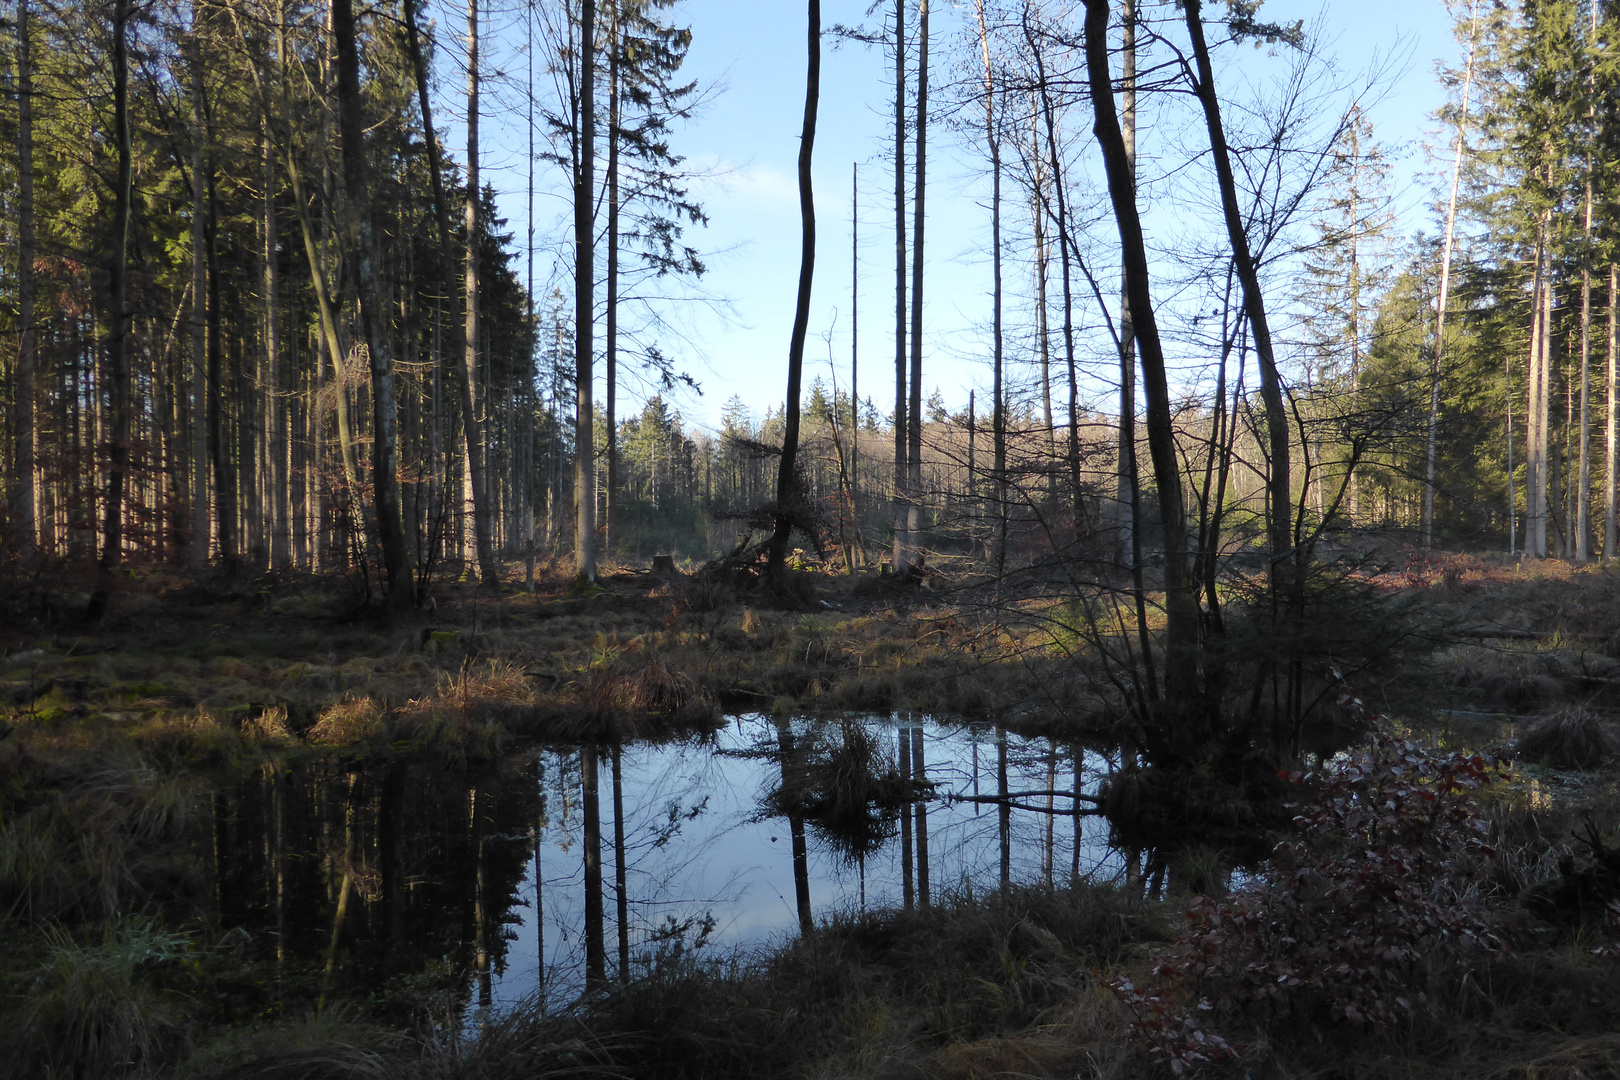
{"type": "Point", "coordinates": [695, 848]}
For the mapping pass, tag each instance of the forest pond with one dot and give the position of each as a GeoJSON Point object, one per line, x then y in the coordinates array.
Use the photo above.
{"type": "Point", "coordinates": [439, 891]}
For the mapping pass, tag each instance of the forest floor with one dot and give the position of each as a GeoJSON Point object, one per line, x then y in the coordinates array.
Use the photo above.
{"type": "Point", "coordinates": [113, 737]}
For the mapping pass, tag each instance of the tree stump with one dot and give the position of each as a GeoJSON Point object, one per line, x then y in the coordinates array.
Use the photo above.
{"type": "Point", "coordinates": [663, 566]}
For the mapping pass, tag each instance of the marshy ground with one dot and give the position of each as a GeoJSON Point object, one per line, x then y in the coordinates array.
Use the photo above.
{"type": "Point", "coordinates": [126, 746]}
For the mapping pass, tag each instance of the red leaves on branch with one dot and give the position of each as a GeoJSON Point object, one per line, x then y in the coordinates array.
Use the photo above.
{"type": "Point", "coordinates": [1377, 876]}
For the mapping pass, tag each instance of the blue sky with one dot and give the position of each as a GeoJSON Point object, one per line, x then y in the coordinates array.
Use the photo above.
{"type": "Point", "coordinates": [745, 145]}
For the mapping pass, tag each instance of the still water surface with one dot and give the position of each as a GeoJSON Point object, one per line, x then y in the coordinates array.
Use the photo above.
{"type": "Point", "coordinates": [465, 891]}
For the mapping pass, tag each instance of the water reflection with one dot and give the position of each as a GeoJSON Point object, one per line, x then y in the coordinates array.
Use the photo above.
{"type": "Point", "coordinates": [430, 890]}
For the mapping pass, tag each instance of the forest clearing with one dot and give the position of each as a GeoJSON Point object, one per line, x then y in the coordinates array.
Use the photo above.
{"type": "Point", "coordinates": [300, 843]}
{"type": "Point", "coordinates": [1207, 661]}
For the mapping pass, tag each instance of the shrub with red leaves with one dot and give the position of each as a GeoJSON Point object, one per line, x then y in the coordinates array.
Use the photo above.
{"type": "Point", "coordinates": [1378, 876]}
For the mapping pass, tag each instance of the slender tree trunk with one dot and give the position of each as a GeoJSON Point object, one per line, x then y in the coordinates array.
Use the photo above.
{"type": "Point", "coordinates": [1181, 601]}
{"type": "Point", "coordinates": [200, 518]}
{"type": "Point", "coordinates": [1611, 513]}
{"type": "Point", "coordinates": [25, 489]}
{"type": "Point", "coordinates": [274, 437]}
{"type": "Point", "coordinates": [1126, 499]}
{"type": "Point", "coordinates": [477, 447]}
{"type": "Point", "coordinates": [118, 322]}
{"type": "Point", "coordinates": [854, 361]}
{"type": "Point", "coordinates": [1060, 223]}
{"type": "Point", "coordinates": [914, 419]}
{"type": "Point", "coordinates": [789, 496]}
{"type": "Point", "coordinates": [1445, 293]}
{"type": "Point", "coordinates": [902, 554]}
{"type": "Point", "coordinates": [374, 314]}
{"type": "Point", "coordinates": [584, 302]}
{"type": "Point", "coordinates": [610, 347]}
{"type": "Point", "coordinates": [998, 414]}
{"type": "Point", "coordinates": [1279, 503]}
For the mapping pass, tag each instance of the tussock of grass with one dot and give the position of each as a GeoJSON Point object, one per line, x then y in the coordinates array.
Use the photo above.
{"type": "Point", "coordinates": [1569, 739]}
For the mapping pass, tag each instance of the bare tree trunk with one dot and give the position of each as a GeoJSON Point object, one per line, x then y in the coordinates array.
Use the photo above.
{"type": "Point", "coordinates": [118, 322]}
{"type": "Point", "coordinates": [25, 489]}
{"type": "Point", "coordinates": [854, 361]}
{"type": "Point", "coordinates": [584, 301]}
{"type": "Point", "coordinates": [789, 496]}
{"type": "Point", "coordinates": [914, 420]}
{"type": "Point", "coordinates": [1060, 222]}
{"type": "Point", "coordinates": [1535, 451]}
{"type": "Point", "coordinates": [274, 439]}
{"type": "Point", "coordinates": [1181, 601]}
{"type": "Point", "coordinates": [1445, 289]}
{"type": "Point", "coordinates": [998, 415]}
{"type": "Point", "coordinates": [1280, 503]}
{"type": "Point", "coordinates": [474, 401]}
{"type": "Point", "coordinates": [902, 554]}
{"type": "Point", "coordinates": [610, 347]}
{"type": "Point", "coordinates": [374, 314]}
{"type": "Point", "coordinates": [1126, 499]}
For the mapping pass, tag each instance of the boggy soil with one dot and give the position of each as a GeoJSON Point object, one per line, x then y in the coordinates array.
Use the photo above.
{"type": "Point", "coordinates": [118, 739]}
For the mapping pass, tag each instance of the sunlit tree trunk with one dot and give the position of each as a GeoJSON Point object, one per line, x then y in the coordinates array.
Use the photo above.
{"type": "Point", "coordinates": [374, 314]}
{"type": "Point", "coordinates": [998, 413]}
{"type": "Point", "coordinates": [914, 418]}
{"type": "Point", "coordinates": [790, 498]}
{"type": "Point", "coordinates": [475, 423]}
{"type": "Point", "coordinates": [1445, 291]}
{"type": "Point", "coordinates": [1181, 602]}
{"type": "Point", "coordinates": [584, 301]}
{"type": "Point", "coordinates": [901, 554]}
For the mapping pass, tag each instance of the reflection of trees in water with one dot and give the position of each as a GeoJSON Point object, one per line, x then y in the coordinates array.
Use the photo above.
{"type": "Point", "coordinates": [350, 881]}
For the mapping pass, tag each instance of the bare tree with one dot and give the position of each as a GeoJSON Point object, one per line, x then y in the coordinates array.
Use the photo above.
{"type": "Point", "coordinates": [789, 494]}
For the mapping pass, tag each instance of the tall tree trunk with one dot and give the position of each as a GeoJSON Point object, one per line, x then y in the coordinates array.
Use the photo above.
{"type": "Point", "coordinates": [1126, 500]}
{"type": "Point", "coordinates": [998, 415]}
{"type": "Point", "coordinates": [1445, 292]}
{"type": "Point", "coordinates": [1611, 457]}
{"type": "Point", "coordinates": [1060, 223]}
{"type": "Point", "coordinates": [25, 480]}
{"type": "Point", "coordinates": [200, 518]}
{"type": "Point", "coordinates": [118, 322]}
{"type": "Point", "coordinates": [854, 361]}
{"type": "Point", "coordinates": [1181, 601]}
{"type": "Point", "coordinates": [477, 446]}
{"type": "Point", "coordinates": [914, 419]}
{"type": "Point", "coordinates": [584, 302]}
{"type": "Point", "coordinates": [789, 496]}
{"type": "Point", "coordinates": [374, 314]}
{"type": "Point", "coordinates": [610, 346]}
{"type": "Point", "coordinates": [902, 554]}
{"type": "Point", "coordinates": [1279, 502]}
{"type": "Point", "coordinates": [275, 443]}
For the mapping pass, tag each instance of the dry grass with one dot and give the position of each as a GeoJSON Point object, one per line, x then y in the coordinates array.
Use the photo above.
{"type": "Point", "coordinates": [1568, 739]}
